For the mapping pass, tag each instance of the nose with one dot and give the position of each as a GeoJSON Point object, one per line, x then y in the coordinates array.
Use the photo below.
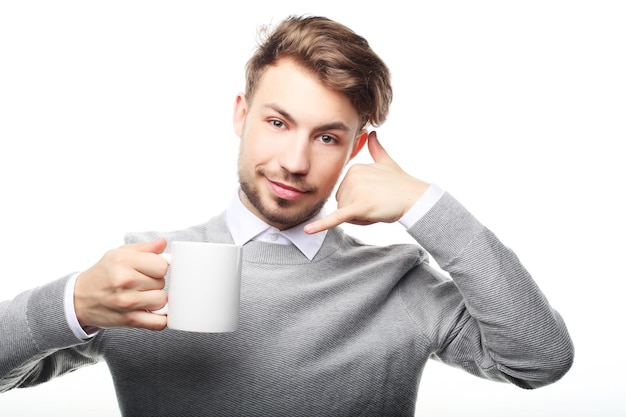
{"type": "Point", "coordinates": [295, 157]}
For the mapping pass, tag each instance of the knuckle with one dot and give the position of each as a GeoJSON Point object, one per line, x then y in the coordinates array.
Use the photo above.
{"type": "Point", "coordinates": [119, 256]}
{"type": "Point", "coordinates": [130, 320]}
{"type": "Point", "coordinates": [124, 301]}
{"type": "Point", "coordinates": [123, 281]}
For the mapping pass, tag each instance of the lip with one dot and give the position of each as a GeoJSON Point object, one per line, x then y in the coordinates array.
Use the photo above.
{"type": "Point", "coordinates": [285, 191]}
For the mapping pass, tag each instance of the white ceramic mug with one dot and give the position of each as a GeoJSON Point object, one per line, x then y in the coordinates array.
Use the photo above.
{"type": "Point", "coordinates": [204, 286]}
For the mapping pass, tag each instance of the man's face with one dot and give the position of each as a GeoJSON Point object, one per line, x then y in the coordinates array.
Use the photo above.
{"type": "Point", "coordinates": [296, 138]}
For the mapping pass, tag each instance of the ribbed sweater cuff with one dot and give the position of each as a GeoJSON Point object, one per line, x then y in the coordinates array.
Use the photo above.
{"type": "Point", "coordinates": [45, 313]}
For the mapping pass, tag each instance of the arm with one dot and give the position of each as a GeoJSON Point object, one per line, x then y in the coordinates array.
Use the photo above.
{"type": "Point", "coordinates": [36, 344]}
{"type": "Point", "coordinates": [503, 327]}
{"type": "Point", "coordinates": [36, 341]}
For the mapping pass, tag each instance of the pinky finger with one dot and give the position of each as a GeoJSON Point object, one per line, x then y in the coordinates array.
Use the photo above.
{"type": "Point", "coordinates": [145, 320]}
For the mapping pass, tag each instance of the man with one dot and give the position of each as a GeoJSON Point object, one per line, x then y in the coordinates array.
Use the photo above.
{"type": "Point", "coordinates": [329, 326]}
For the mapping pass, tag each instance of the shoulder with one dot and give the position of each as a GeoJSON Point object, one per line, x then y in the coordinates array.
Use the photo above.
{"type": "Point", "coordinates": [343, 245]}
{"type": "Point", "coordinates": [213, 230]}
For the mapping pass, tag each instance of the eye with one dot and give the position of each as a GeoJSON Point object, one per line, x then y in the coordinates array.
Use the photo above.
{"type": "Point", "coordinates": [327, 139]}
{"type": "Point", "coordinates": [277, 123]}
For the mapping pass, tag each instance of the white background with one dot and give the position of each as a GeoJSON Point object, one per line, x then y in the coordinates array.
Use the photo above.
{"type": "Point", "coordinates": [116, 116]}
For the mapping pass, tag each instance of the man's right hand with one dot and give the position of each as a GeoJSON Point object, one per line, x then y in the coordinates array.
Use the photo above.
{"type": "Point", "coordinates": [123, 287]}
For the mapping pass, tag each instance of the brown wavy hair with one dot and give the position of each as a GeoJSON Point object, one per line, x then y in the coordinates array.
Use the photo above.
{"type": "Point", "coordinates": [342, 60]}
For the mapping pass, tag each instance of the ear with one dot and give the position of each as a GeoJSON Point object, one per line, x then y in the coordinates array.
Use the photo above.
{"type": "Point", "coordinates": [359, 142]}
{"type": "Point", "coordinates": [239, 113]}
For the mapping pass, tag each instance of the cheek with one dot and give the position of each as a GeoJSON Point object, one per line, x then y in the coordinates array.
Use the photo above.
{"type": "Point", "coordinates": [329, 170]}
{"type": "Point", "coordinates": [251, 150]}
{"type": "Point", "coordinates": [248, 160]}
{"type": "Point", "coordinates": [258, 140]}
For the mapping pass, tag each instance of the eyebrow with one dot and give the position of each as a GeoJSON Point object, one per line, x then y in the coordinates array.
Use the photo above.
{"type": "Point", "coordinates": [327, 126]}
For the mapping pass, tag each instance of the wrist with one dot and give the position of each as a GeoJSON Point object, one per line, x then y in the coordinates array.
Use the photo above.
{"type": "Point", "coordinates": [426, 200]}
{"type": "Point", "coordinates": [82, 333]}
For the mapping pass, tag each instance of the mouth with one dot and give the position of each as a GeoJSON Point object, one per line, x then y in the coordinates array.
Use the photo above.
{"type": "Point", "coordinates": [285, 191]}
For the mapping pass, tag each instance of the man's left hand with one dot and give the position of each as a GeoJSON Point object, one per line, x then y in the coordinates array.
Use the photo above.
{"type": "Point", "coordinates": [372, 193]}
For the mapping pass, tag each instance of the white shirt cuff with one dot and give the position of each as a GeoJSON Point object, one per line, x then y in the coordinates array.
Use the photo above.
{"type": "Point", "coordinates": [430, 197]}
{"type": "Point", "coordinates": [70, 311]}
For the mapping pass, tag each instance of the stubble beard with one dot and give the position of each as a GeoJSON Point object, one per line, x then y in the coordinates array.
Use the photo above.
{"type": "Point", "coordinates": [284, 215]}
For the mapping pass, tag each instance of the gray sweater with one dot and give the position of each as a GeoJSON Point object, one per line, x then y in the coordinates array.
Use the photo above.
{"type": "Point", "coordinates": [348, 333]}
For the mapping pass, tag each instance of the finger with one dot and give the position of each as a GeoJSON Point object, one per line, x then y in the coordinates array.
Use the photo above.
{"type": "Point", "coordinates": [145, 319]}
{"type": "Point", "coordinates": [376, 150]}
{"type": "Point", "coordinates": [145, 257]}
{"type": "Point", "coordinates": [143, 282]}
{"type": "Point", "coordinates": [150, 265]}
{"type": "Point", "coordinates": [126, 269]}
{"type": "Point", "coordinates": [153, 246]}
{"type": "Point", "coordinates": [332, 220]}
{"type": "Point", "coordinates": [138, 300]}
{"type": "Point", "coordinates": [152, 300]}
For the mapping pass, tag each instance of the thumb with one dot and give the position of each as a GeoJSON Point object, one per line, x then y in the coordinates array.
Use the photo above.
{"type": "Point", "coordinates": [378, 153]}
{"type": "Point", "coordinates": [154, 246]}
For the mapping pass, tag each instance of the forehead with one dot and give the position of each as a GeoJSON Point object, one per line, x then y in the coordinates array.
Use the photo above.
{"type": "Point", "coordinates": [298, 91]}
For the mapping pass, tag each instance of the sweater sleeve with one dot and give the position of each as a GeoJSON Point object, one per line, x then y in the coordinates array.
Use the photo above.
{"type": "Point", "coordinates": [504, 327]}
{"type": "Point", "coordinates": [36, 343]}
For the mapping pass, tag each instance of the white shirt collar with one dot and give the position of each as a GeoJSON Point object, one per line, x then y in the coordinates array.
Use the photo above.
{"type": "Point", "coordinates": [245, 226]}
